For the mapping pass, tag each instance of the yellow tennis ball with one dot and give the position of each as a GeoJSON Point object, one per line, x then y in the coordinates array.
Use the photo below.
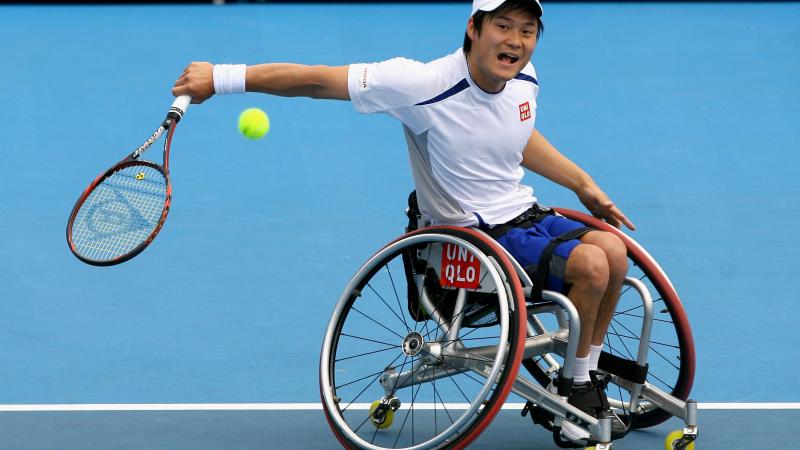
{"type": "Point", "coordinates": [253, 123]}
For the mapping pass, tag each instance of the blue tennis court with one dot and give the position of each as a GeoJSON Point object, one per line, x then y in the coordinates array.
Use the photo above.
{"type": "Point", "coordinates": [685, 113]}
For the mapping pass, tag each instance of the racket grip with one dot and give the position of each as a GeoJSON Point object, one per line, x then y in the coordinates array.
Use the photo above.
{"type": "Point", "coordinates": [179, 107]}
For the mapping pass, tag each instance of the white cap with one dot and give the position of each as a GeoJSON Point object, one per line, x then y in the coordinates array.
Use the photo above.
{"type": "Point", "coordinates": [491, 5]}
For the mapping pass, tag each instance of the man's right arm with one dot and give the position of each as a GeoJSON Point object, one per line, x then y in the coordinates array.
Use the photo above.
{"type": "Point", "coordinates": [297, 80]}
{"type": "Point", "coordinates": [283, 79]}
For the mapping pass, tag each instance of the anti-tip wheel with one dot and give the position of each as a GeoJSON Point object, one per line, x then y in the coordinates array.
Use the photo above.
{"type": "Point", "coordinates": [674, 438]}
{"type": "Point", "coordinates": [380, 418]}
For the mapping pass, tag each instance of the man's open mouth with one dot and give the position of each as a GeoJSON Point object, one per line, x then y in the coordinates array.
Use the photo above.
{"type": "Point", "coordinates": [508, 58]}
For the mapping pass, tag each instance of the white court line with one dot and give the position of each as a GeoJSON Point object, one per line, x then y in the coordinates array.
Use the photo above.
{"type": "Point", "coordinates": [310, 406]}
{"type": "Point", "coordinates": [748, 405]}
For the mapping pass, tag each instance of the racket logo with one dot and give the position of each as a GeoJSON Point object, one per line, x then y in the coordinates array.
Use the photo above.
{"type": "Point", "coordinates": [120, 214]}
{"type": "Point", "coordinates": [114, 216]}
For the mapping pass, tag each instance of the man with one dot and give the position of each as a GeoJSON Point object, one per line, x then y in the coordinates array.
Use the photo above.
{"type": "Point", "coordinates": [469, 120]}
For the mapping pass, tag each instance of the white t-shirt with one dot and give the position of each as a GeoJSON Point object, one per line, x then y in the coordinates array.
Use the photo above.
{"type": "Point", "coordinates": [465, 145]}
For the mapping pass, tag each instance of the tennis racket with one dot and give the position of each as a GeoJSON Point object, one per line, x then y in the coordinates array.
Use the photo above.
{"type": "Point", "coordinates": [123, 209]}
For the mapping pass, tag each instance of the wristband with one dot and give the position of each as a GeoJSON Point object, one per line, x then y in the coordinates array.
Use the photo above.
{"type": "Point", "coordinates": [229, 78]}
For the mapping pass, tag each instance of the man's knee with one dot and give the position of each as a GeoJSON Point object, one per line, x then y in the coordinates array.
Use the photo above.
{"type": "Point", "coordinates": [617, 254]}
{"type": "Point", "coordinates": [588, 266]}
{"type": "Point", "coordinates": [615, 250]}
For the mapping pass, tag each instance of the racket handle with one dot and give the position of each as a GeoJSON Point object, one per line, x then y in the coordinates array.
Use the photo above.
{"type": "Point", "coordinates": [179, 107]}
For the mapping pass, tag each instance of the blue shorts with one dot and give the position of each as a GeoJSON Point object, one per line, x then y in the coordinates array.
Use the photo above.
{"type": "Point", "coordinates": [526, 246]}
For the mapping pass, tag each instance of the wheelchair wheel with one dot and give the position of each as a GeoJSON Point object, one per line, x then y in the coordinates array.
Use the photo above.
{"type": "Point", "coordinates": [671, 355]}
{"type": "Point", "coordinates": [389, 379]}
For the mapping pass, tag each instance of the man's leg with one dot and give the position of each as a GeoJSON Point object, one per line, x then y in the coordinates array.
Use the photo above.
{"type": "Point", "coordinates": [588, 272]}
{"type": "Point", "coordinates": [615, 254]}
{"type": "Point", "coordinates": [616, 257]}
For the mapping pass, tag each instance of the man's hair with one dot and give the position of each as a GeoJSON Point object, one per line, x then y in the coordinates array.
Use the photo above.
{"type": "Point", "coordinates": [481, 17]}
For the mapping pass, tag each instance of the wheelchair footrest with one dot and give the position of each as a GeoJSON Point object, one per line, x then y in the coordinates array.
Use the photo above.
{"type": "Point", "coordinates": [624, 368]}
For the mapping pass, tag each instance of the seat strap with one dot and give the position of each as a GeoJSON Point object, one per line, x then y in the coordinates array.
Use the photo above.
{"type": "Point", "coordinates": [542, 267]}
{"type": "Point", "coordinates": [527, 219]}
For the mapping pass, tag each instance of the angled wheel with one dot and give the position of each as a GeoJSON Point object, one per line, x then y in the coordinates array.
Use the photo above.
{"type": "Point", "coordinates": [391, 377]}
{"type": "Point", "coordinates": [671, 355]}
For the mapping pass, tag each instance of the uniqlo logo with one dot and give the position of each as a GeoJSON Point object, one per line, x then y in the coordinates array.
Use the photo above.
{"type": "Point", "coordinates": [524, 112]}
{"type": "Point", "coordinates": [460, 268]}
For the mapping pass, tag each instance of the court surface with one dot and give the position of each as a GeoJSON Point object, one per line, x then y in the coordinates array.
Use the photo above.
{"type": "Point", "coordinates": [686, 114]}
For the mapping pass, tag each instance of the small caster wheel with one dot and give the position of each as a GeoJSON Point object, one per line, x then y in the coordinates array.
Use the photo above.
{"type": "Point", "coordinates": [381, 415]}
{"type": "Point", "coordinates": [676, 441]}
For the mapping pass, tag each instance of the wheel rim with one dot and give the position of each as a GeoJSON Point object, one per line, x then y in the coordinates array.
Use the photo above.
{"type": "Point", "coordinates": [444, 410]}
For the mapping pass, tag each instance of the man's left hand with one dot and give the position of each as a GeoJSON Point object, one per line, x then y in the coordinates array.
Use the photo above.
{"type": "Point", "coordinates": [598, 203]}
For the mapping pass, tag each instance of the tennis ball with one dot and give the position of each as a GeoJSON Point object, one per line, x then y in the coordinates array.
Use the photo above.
{"type": "Point", "coordinates": [253, 123]}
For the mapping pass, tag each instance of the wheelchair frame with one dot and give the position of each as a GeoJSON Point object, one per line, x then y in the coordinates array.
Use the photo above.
{"type": "Point", "coordinates": [520, 338]}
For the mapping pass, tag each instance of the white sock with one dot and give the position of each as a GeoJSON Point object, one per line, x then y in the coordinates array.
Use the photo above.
{"type": "Point", "coordinates": [594, 356]}
{"type": "Point", "coordinates": [581, 372]}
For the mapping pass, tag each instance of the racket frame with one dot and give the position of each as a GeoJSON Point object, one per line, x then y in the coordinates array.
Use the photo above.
{"type": "Point", "coordinates": [169, 124]}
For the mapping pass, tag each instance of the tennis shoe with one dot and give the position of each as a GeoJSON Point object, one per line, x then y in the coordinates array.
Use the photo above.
{"type": "Point", "coordinates": [589, 397]}
{"type": "Point", "coordinates": [600, 382]}
{"type": "Point", "coordinates": [569, 430]}
{"type": "Point", "coordinates": [574, 433]}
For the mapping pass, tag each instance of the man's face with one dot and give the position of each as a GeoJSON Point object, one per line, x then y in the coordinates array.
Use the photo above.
{"type": "Point", "coordinates": [502, 49]}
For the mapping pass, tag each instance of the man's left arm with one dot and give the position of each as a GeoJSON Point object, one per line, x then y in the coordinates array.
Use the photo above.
{"type": "Point", "coordinates": [542, 157]}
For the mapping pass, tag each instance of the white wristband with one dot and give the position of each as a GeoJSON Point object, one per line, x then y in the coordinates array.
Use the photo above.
{"type": "Point", "coordinates": [229, 78]}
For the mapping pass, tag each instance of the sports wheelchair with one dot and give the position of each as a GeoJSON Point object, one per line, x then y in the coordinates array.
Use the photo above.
{"type": "Point", "coordinates": [437, 328]}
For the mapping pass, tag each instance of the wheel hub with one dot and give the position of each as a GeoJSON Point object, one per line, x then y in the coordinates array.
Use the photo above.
{"type": "Point", "coordinates": [412, 344]}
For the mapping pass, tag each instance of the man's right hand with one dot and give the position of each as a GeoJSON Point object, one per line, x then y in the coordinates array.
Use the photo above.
{"type": "Point", "coordinates": [196, 80]}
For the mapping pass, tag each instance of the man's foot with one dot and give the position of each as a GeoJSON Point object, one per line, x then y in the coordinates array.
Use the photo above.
{"type": "Point", "coordinates": [569, 430]}
{"type": "Point", "coordinates": [574, 433]}
{"type": "Point", "coordinates": [590, 397]}
{"type": "Point", "coordinates": [618, 428]}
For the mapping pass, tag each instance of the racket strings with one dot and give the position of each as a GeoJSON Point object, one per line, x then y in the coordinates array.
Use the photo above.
{"type": "Point", "coordinates": [120, 214]}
